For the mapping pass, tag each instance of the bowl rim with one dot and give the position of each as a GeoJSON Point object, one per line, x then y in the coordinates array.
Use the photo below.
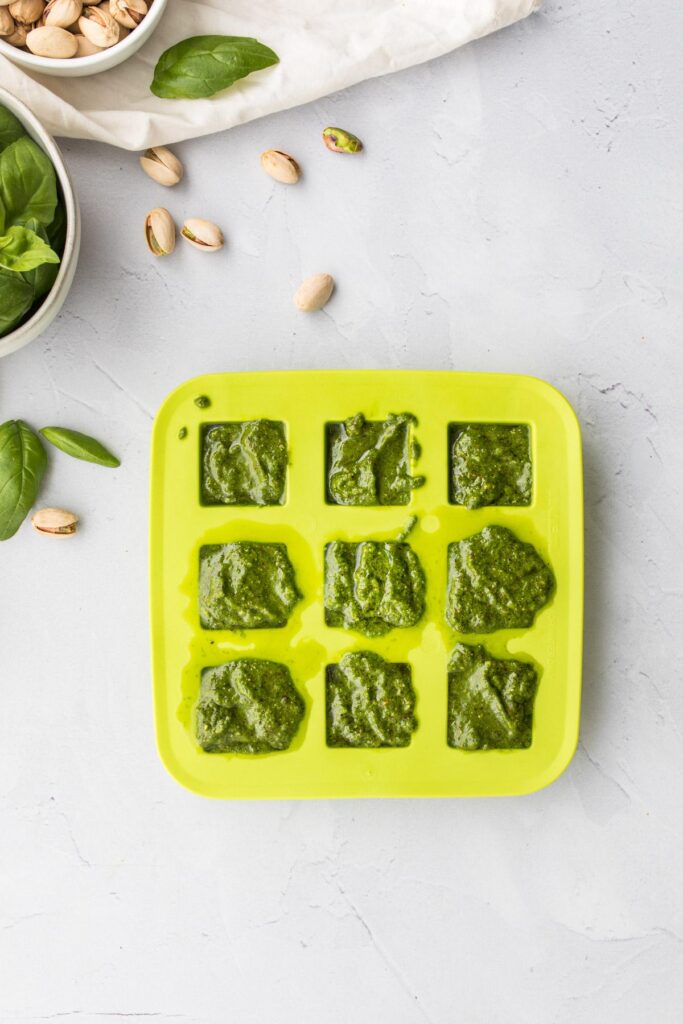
{"type": "Point", "coordinates": [123, 49]}
{"type": "Point", "coordinates": [14, 340]}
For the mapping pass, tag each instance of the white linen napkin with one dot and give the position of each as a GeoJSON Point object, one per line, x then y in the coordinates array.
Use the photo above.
{"type": "Point", "coordinates": [323, 45]}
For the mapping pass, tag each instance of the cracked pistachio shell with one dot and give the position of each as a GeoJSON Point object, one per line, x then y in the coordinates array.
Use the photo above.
{"type": "Point", "coordinates": [55, 522]}
{"type": "Point", "coordinates": [27, 12]}
{"type": "Point", "coordinates": [62, 13]}
{"type": "Point", "coordinates": [339, 141]}
{"type": "Point", "coordinates": [280, 166]}
{"type": "Point", "coordinates": [99, 27]}
{"type": "Point", "coordinates": [128, 13]}
{"type": "Point", "coordinates": [160, 232]}
{"type": "Point", "coordinates": [314, 293]}
{"type": "Point", "coordinates": [162, 166]}
{"type": "Point", "coordinates": [202, 234]}
{"type": "Point", "coordinates": [49, 41]}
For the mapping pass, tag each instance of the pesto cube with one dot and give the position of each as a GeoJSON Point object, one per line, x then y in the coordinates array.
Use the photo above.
{"type": "Point", "coordinates": [244, 463]}
{"type": "Point", "coordinates": [246, 585]}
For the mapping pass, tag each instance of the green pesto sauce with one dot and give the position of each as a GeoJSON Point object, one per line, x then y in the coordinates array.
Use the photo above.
{"type": "Point", "coordinates": [490, 700]}
{"type": "Point", "coordinates": [370, 702]}
{"type": "Point", "coordinates": [248, 706]}
{"type": "Point", "coordinates": [495, 581]}
{"type": "Point", "coordinates": [246, 585]}
{"type": "Point", "coordinates": [373, 587]}
{"type": "Point", "coordinates": [244, 463]}
{"type": "Point", "coordinates": [368, 463]}
{"type": "Point", "coordinates": [490, 465]}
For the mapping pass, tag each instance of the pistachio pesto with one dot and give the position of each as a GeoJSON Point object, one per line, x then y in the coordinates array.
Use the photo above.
{"type": "Point", "coordinates": [370, 702]}
{"type": "Point", "coordinates": [369, 462]}
{"type": "Point", "coordinates": [244, 463]}
{"type": "Point", "coordinates": [246, 585]}
{"type": "Point", "coordinates": [373, 586]}
{"type": "Point", "coordinates": [495, 581]}
{"type": "Point", "coordinates": [490, 700]}
{"type": "Point", "coordinates": [247, 706]}
{"type": "Point", "coordinates": [490, 465]}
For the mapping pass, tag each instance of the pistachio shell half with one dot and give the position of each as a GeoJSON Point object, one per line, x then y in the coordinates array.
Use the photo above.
{"type": "Point", "coordinates": [162, 166]}
{"type": "Point", "coordinates": [55, 522]}
{"type": "Point", "coordinates": [202, 234]}
{"type": "Point", "coordinates": [160, 232]}
{"type": "Point", "coordinates": [50, 41]}
{"type": "Point", "coordinates": [314, 293]}
{"type": "Point", "coordinates": [280, 166]}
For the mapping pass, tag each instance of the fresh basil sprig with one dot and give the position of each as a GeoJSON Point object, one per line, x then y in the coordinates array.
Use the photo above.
{"type": "Point", "coordinates": [22, 249]}
{"type": "Point", "coordinates": [204, 65]}
{"type": "Point", "coordinates": [28, 184]}
{"type": "Point", "coordinates": [80, 446]}
{"type": "Point", "coordinates": [32, 223]}
{"type": "Point", "coordinates": [11, 128]}
{"type": "Point", "coordinates": [22, 466]}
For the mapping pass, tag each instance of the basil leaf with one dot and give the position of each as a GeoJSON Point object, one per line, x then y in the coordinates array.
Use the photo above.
{"type": "Point", "coordinates": [43, 277]}
{"type": "Point", "coordinates": [11, 128]}
{"type": "Point", "coordinates": [56, 232]}
{"type": "Point", "coordinates": [204, 65]}
{"type": "Point", "coordinates": [22, 465]}
{"type": "Point", "coordinates": [16, 298]}
{"type": "Point", "coordinates": [22, 249]}
{"type": "Point", "coordinates": [80, 446]}
{"type": "Point", "coordinates": [28, 185]}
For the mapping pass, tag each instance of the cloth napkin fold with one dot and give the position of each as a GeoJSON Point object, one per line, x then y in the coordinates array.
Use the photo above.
{"type": "Point", "coordinates": [323, 45]}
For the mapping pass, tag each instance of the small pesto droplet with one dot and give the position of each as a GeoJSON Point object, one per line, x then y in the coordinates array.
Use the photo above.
{"type": "Point", "coordinates": [202, 401]}
{"type": "Point", "coordinates": [182, 433]}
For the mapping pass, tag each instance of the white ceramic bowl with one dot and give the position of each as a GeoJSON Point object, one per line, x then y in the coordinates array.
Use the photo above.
{"type": "Point", "coordinates": [54, 300]}
{"type": "Point", "coordinates": [78, 66]}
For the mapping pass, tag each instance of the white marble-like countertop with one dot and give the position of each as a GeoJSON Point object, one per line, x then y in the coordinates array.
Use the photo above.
{"type": "Point", "coordinates": [518, 209]}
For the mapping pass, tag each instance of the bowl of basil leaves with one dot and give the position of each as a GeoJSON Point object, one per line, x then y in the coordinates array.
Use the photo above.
{"type": "Point", "coordinates": [40, 226]}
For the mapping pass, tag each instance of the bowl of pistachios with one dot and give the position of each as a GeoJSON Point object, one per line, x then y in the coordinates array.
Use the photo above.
{"type": "Point", "coordinates": [71, 38]}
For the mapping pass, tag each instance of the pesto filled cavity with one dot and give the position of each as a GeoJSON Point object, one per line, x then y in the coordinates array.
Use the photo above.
{"type": "Point", "coordinates": [373, 587]}
{"type": "Point", "coordinates": [248, 706]}
{"type": "Point", "coordinates": [490, 465]}
{"type": "Point", "coordinates": [495, 581]}
{"type": "Point", "coordinates": [246, 585]}
{"type": "Point", "coordinates": [369, 462]}
{"type": "Point", "coordinates": [490, 700]}
{"type": "Point", "coordinates": [244, 463]}
{"type": "Point", "coordinates": [370, 702]}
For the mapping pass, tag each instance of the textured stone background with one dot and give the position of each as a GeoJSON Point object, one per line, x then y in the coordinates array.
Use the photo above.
{"type": "Point", "coordinates": [519, 208]}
